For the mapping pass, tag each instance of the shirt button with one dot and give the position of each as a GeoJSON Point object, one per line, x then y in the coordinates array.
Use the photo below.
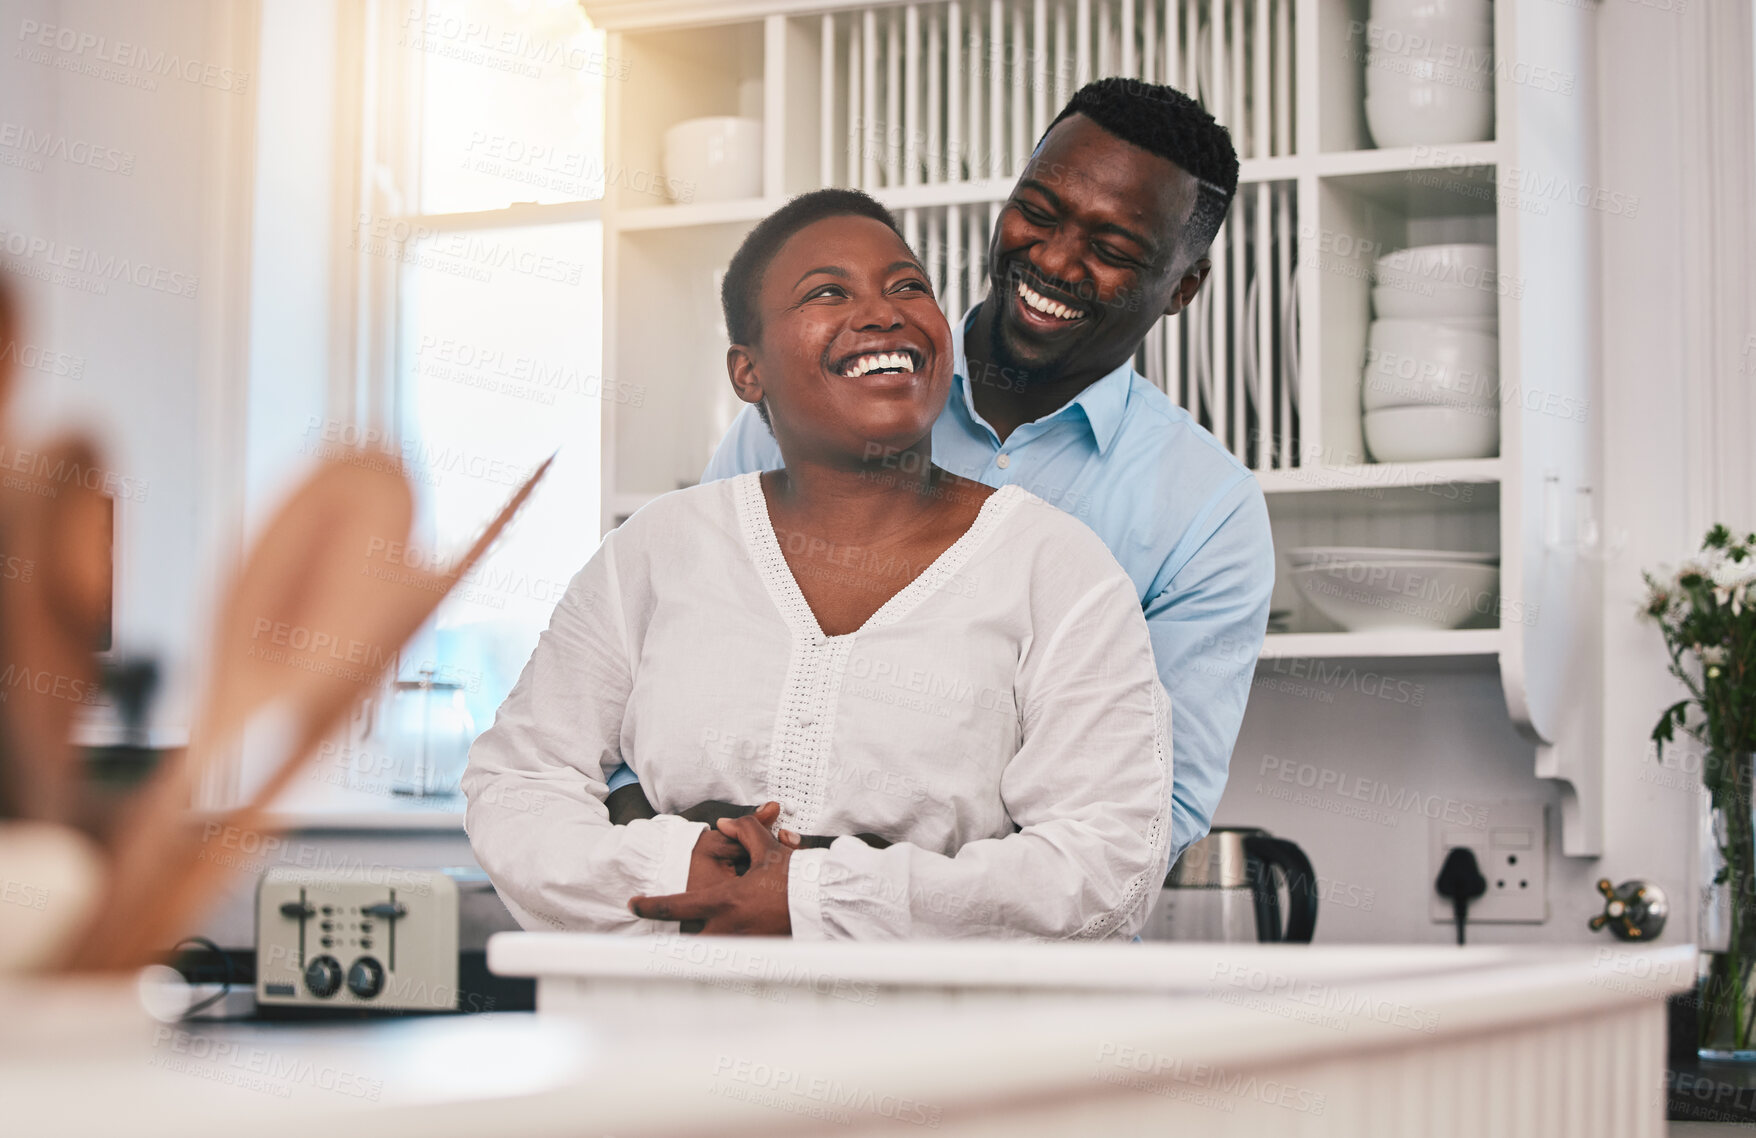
{"type": "Point", "coordinates": [1003, 461]}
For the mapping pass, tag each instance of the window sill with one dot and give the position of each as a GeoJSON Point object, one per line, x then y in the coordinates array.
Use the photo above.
{"type": "Point", "coordinates": [335, 808]}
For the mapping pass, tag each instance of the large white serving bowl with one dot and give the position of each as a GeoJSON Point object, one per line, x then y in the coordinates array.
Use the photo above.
{"type": "Point", "coordinates": [1425, 33]}
{"type": "Point", "coordinates": [1414, 363]}
{"type": "Point", "coordinates": [1469, 42]}
{"type": "Point", "coordinates": [1406, 77]}
{"type": "Point", "coordinates": [1324, 556]}
{"type": "Point", "coordinates": [1430, 114]}
{"type": "Point", "coordinates": [1370, 596]}
{"type": "Point", "coordinates": [1457, 280]}
{"type": "Point", "coordinates": [1431, 434]}
{"type": "Point", "coordinates": [1408, 11]}
{"type": "Point", "coordinates": [714, 159]}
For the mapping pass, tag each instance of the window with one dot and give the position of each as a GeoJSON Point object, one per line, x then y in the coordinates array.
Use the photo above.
{"type": "Point", "coordinates": [475, 317]}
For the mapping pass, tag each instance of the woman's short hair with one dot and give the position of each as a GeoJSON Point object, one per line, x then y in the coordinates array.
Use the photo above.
{"type": "Point", "coordinates": [743, 281]}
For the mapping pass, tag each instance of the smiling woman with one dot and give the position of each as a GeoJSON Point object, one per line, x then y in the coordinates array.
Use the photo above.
{"type": "Point", "coordinates": [859, 645]}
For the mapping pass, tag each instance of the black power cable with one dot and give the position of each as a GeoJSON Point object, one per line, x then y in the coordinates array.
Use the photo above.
{"type": "Point", "coordinates": [225, 960]}
{"type": "Point", "coordinates": [1460, 879]}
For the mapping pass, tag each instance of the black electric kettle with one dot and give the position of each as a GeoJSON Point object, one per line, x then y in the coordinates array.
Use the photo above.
{"type": "Point", "coordinates": [1226, 887]}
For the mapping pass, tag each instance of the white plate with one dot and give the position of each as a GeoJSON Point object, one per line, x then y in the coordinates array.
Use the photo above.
{"type": "Point", "coordinates": [1430, 596]}
{"type": "Point", "coordinates": [1289, 336]}
{"type": "Point", "coordinates": [1304, 557]}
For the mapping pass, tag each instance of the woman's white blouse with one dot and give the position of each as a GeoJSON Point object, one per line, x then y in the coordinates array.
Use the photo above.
{"type": "Point", "coordinates": [999, 719]}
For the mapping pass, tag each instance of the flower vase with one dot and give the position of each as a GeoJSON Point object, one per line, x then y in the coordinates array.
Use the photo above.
{"type": "Point", "coordinates": [1728, 913]}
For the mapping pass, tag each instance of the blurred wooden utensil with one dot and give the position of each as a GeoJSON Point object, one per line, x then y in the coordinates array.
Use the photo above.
{"type": "Point", "coordinates": [313, 622]}
{"type": "Point", "coordinates": [54, 602]}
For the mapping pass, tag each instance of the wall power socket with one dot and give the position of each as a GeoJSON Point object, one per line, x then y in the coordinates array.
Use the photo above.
{"type": "Point", "coordinates": [1511, 844]}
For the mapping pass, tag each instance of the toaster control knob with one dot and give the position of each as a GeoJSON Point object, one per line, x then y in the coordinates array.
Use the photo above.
{"type": "Point", "coordinates": [366, 978]}
{"type": "Point", "coordinates": [323, 976]}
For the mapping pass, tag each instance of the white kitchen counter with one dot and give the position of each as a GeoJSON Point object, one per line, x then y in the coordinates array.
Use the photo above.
{"type": "Point", "coordinates": [678, 1035]}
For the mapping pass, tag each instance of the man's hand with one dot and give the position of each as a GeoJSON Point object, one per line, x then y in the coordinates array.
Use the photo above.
{"type": "Point", "coordinates": [628, 803]}
{"type": "Point", "coordinates": [712, 811]}
{"type": "Point", "coordinates": [718, 858]}
{"type": "Point", "coordinates": [752, 905]}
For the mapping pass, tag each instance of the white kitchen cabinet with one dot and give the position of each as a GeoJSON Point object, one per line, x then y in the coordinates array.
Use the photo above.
{"type": "Point", "coordinates": [933, 107]}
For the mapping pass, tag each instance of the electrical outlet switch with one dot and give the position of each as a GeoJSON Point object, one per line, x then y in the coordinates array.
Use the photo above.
{"type": "Point", "coordinates": [1511, 846]}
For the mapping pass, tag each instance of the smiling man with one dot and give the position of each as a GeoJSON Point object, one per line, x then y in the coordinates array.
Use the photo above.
{"type": "Point", "coordinates": [1106, 231]}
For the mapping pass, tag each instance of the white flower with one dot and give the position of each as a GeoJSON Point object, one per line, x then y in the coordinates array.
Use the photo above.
{"type": "Point", "coordinates": [1713, 654]}
{"type": "Point", "coordinates": [1730, 574]}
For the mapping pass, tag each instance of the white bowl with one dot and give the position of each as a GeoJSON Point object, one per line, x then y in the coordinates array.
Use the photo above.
{"type": "Point", "coordinates": [1488, 324]}
{"type": "Point", "coordinates": [1430, 114]}
{"type": "Point", "coordinates": [1368, 596]}
{"type": "Point", "coordinates": [1431, 434]}
{"type": "Point", "coordinates": [1405, 80]}
{"type": "Point", "coordinates": [714, 159]}
{"type": "Point", "coordinates": [1465, 43]}
{"type": "Point", "coordinates": [1315, 556]}
{"type": "Point", "coordinates": [1430, 10]}
{"type": "Point", "coordinates": [1411, 363]}
{"type": "Point", "coordinates": [1437, 280]}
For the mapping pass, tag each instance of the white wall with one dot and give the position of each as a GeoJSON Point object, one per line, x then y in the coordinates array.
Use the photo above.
{"type": "Point", "coordinates": [143, 349]}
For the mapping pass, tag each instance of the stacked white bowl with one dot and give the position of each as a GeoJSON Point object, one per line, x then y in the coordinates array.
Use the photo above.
{"type": "Point", "coordinates": [1430, 388]}
{"type": "Point", "coordinates": [1430, 72]}
{"type": "Point", "coordinates": [1372, 590]}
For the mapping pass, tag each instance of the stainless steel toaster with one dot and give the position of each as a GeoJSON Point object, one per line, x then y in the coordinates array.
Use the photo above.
{"type": "Point", "coordinates": [374, 937]}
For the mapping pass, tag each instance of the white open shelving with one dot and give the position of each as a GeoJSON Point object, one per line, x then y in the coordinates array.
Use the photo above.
{"type": "Point", "coordinates": [913, 102]}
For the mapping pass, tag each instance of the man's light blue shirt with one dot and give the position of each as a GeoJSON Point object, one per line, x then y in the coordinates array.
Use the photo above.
{"type": "Point", "coordinates": [1185, 519]}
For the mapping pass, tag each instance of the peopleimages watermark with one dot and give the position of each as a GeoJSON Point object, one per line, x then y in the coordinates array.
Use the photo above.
{"type": "Point", "coordinates": [1426, 380]}
{"type": "Point", "coordinates": [1433, 596]}
{"type": "Point", "coordinates": [545, 166]}
{"type": "Point", "coordinates": [511, 50]}
{"type": "Point", "coordinates": [1204, 1084]}
{"type": "Point", "coordinates": [484, 582]}
{"type": "Point", "coordinates": [23, 894]}
{"type": "Point", "coordinates": [118, 61]}
{"type": "Point", "coordinates": [1339, 1005]}
{"type": "Point", "coordinates": [33, 472]}
{"type": "Point", "coordinates": [54, 685]}
{"type": "Point", "coordinates": [798, 1092]}
{"type": "Point", "coordinates": [311, 863]}
{"type": "Point", "coordinates": [681, 954]}
{"type": "Point", "coordinates": [1349, 254]}
{"type": "Point", "coordinates": [89, 270]}
{"type": "Point", "coordinates": [374, 448]}
{"type": "Point", "coordinates": [252, 1067]}
{"type": "Point", "coordinates": [35, 357]}
{"type": "Point", "coordinates": [34, 146]}
{"type": "Point", "coordinates": [515, 374]}
{"type": "Point", "coordinates": [734, 753]}
{"type": "Point", "coordinates": [461, 253]}
{"type": "Point", "coordinates": [1346, 677]}
{"type": "Point", "coordinates": [1394, 802]}
{"type": "Point", "coordinates": [1472, 66]}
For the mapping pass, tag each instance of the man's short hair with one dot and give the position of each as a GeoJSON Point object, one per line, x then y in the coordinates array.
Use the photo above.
{"type": "Point", "coordinates": [743, 281]}
{"type": "Point", "coordinates": [1164, 121]}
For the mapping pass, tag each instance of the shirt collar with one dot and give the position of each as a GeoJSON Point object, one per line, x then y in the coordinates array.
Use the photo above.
{"type": "Point", "coordinates": [1104, 404]}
